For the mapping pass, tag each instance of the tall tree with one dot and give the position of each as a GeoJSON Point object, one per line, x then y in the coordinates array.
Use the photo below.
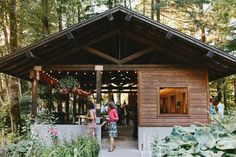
{"type": "Point", "coordinates": [45, 17]}
{"type": "Point", "coordinates": [152, 9]}
{"type": "Point", "coordinates": [158, 10]}
{"type": "Point", "coordinates": [14, 101]}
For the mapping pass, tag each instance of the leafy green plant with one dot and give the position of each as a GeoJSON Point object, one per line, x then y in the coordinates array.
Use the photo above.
{"type": "Point", "coordinates": [69, 82]}
{"type": "Point", "coordinates": [5, 120]}
{"type": "Point", "coordinates": [80, 147]}
{"type": "Point", "coordinates": [25, 104]}
{"type": "Point", "coordinates": [216, 139]}
{"type": "Point", "coordinates": [44, 116]}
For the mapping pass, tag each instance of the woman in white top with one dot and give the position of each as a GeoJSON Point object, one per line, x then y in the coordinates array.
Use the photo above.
{"type": "Point", "coordinates": [220, 106]}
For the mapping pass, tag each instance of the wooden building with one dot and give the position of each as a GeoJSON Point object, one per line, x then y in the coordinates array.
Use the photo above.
{"type": "Point", "coordinates": [122, 51]}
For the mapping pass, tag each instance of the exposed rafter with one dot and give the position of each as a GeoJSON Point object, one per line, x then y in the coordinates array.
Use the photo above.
{"type": "Point", "coordinates": [137, 55]}
{"type": "Point", "coordinates": [101, 54]}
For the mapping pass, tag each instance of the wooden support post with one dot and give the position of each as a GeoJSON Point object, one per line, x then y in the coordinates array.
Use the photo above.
{"type": "Point", "coordinates": [98, 91]}
{"type": "Point", "coordinates": [109, 93]}
{"type": "Point", "coordinates": [50, 103]}
{"type": "Point", "coordinates": [34, 106]}
{"type": "Point", "coordinates": [59, 107]}
{"type": "Point", "coordinates": [67, 107]}
{"type": "Point", "coordinates": [74, 105]}
{"type": "Point", "coordinates": [118, 98]}
{"type": "Point", "coordinates": [79, 108]}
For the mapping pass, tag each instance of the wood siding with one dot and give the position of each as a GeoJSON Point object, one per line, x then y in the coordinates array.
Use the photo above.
{"type": "Point", "coordinates": [151, 80]}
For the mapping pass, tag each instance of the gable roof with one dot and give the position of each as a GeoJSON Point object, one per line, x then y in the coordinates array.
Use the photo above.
{"type": "Point", "coordinates": [113, 36]}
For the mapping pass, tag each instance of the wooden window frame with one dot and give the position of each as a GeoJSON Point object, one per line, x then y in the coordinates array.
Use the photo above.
{"type": "Point", "coordinates": [172, 115]}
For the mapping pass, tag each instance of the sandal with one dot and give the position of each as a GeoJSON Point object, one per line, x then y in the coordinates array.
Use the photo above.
{"type": "Point", "coordinates": [110, 150]}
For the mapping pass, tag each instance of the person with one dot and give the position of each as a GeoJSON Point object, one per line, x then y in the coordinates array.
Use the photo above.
{"type": "Point", "coordinates": [127, 114]}
{"type": "Point", "coordinates": [120, 114]}
{"type": "Point", "coordinates": [135, 122]}
{"type": "Point", "coordinates": [91, 119]}
{"type": "Point", "coordinates": [220, 107]}
{"type": "Point", "coordinates": [112, 118]}
{"type": "Point", "coordinates": [212, 107]}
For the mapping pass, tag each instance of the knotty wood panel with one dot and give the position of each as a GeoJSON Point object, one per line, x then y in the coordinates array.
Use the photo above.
{"type": "Point", "coordinates": [150, 80]}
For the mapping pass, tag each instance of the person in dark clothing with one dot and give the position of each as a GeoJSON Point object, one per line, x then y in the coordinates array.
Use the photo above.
{"type": "Point", "coordinates": [120, 114]}
{"type": "Point", "coordinates": [135, 122]}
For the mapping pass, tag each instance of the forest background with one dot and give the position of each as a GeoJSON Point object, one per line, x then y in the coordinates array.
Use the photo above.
{"type": "Point", "coordinates": [23, 22]}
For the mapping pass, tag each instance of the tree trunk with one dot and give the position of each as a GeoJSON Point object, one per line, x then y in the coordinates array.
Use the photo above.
{"type": "Point", "coordinates": [152, 9]}
{"type": "Point", "coordinates": [225, 97]}
{"type": "Point", "coordinates": [14, 106]}
{"type": "Point", "coordinates": [109, 4]}
{"type": "Point", "coordinates": [2, 95]}
{"type": "Point", "coordinates": [235, 91]}
{"type": "Point", "coordinates": [218, 89]}
{"type": "Point", "coordinates": [14, 99]}
{"type": "Point", "coordinates": [144, 7]}
{"type": "Point", "coordinates": [19, 88]}
{"type": "Point", "coordinates": [79, 13]}
{"type": "Point", "coordinates": [59, 14]}
{"type": "Point", "coordinates": [45, 20]}
{"type": "Point", "coordinates": [203, 32]}
{"type": "Point", "coordinates": [130, 6]}
{"type": "Point", "coordinates": [158, 11]}
{"type": "Point", "coordinates": [7, 87]}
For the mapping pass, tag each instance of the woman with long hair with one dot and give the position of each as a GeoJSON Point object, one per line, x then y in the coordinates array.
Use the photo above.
{"type": "Point", "coordinates": [112, 118]}
{"type": "Point", "coordinates": [91, 118]}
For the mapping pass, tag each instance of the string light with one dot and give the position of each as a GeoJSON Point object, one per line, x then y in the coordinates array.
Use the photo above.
{"type": "Point", "coordinates": [84, 73]}
{"type": "Point", "coordinates": [119, 71]}
{"type": "Point", "coordinates": [50, 71]}
{"type": "Point", "coordinates": [59, 72]}
{"type": "Point", "coordinates": [76, 73]}
{"type": "Point", "coordinates": [43, 71]}
{"type": "Point", "coordinates": [127, 72]}
{"type": "Point", "coordinates": [68, 72]}
{"type": "Point", "coordinates": [93, 73]}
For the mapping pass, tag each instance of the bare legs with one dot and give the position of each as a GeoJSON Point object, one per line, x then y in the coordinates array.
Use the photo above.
{"type": "Point", "coordinates": [112, 143]}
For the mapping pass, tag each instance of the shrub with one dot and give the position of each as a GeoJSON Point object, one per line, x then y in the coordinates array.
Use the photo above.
{"type": "Point", "coordinates": [5, 120]}
{"type": "Point", "coordinates": [216, 139]}
{"type": "Point", "coordinates": [80, 147]}
{"type": "Point", "coordinates": [25, 104]}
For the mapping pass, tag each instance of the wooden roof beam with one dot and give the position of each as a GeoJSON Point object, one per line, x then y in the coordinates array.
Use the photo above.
{"type": "Point", "coordinates": [181, 58]}
{"type": "Point", "coordinates": [137, 55]}
{"type": "Point", "coordinates": [101, 54]}
{"type": "Point", "coordinates": [100, 38]}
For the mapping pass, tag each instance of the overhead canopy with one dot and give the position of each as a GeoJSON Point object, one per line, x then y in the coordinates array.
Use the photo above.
{"type": "Point", "coordinates": [119, 36]}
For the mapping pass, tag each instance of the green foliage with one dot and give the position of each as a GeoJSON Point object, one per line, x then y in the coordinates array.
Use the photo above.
{"type": "Point", "coordinates": [5, 120]}
{"type": "Point", "coordinates": [69, 82]}
{"type": "Point", "coordinates": [216, 139]}
{"type": "Point", "coordinates": [44, 116]}
{"type": "Point", "coordinates": [80, 147]}
{"type": "Point", "coordinates": [25, 104]}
